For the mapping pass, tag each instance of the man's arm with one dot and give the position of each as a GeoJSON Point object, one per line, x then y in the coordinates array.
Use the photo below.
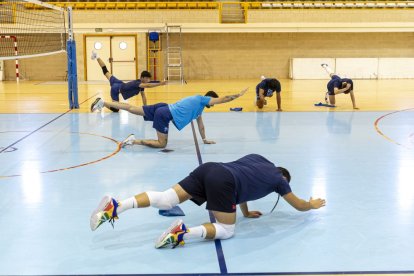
{"type": "Point", "coordinates": [249, 214]}
{"type": "Point", "coordinates": [261, 94]}
{"type": "Point", "coordinates": [279, 102]}
{"type": "Point", "coordinates": [226, 99]}
{"type": "Point", "coordinates": [353, 100]}
{"type": "Point", "coordinates": [144, 98]}
{"type": "Point", "coordinates": [202, 131]}
{"type": "Point", "coordinates": [339, 91]}
{"type": "Point", "coordinates": [151, 85]}
{"type": "Point", "coordinates": [302, 205]}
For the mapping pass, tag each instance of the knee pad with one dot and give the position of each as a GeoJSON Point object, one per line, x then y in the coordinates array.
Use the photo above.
{"type": "Point", "coordinates": [163, 200]}
{"type": "Point", "coordinates": [224, 231]}
{"type": "Point", "coordinates": [104, 70]}
{"type": "Point", "coordinates": [114, 109]}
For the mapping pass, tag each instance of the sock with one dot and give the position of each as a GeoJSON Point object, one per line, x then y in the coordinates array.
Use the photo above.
{"type": "Point", "coordinates": [328, 70]}
{"type": "Point", "coordinates": [126, 204]}
{"type": "Point", "coordinates": [198, 232]}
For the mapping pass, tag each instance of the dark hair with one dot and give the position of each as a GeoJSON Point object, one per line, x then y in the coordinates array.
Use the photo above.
{"type": "Point", "coordinates": [145, 74]}
{"type": "Point", "coordinates": [274, 84]}
{"type": "Point", "coordinates": [285, 173]}
{"type": "Point", "coordinates": [211, 94]}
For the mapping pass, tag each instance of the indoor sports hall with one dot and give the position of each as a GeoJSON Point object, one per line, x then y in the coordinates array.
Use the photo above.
{"type": "Point", "coordinates": [340, 120]}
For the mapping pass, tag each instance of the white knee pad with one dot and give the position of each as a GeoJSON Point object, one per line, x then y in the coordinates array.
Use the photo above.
{"type": "Point", "coordinates": [224, 231]}
{"type": "Point", "coordinates": [163, 200]}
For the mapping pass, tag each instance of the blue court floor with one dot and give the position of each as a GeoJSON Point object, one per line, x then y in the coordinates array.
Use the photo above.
{"type": "Point", "coordinates": [55, 168]}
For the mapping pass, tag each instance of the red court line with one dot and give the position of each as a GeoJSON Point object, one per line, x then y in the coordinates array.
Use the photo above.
{"type": "Point", "coordinates": [382, 133]}
{"type": "Point", "coordinates": [118, 148]}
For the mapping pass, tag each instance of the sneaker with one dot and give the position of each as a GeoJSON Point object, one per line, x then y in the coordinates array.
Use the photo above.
{"type": "Point", "coordinates": [173, 236]}
{"type": "Point", "coordinates": [94, 55]}
{"type": "Point", "coordinates": [98, 104]}
{"type": "Point", "coordinates": [106, 211]}
{"type": "Point", "coordinates": [129, 141]}
{"type": "Point", "coordinates": [324, 65]}
{"type": "Point", "coordinates": [262, 77]}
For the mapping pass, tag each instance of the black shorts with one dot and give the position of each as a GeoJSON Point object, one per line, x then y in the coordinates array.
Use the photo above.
{"type": "Point", "coordinates": [213, 183]}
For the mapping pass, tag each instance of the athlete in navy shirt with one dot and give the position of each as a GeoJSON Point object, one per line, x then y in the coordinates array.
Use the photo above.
{"type": "Point", "coordinates": [128, 89]}
{"type": "Point", "coordinates": [338, 85]}
{"type": "Point", "coordinates": [222, 186]}
{"type": "Point", "coordinates": [266, 88]}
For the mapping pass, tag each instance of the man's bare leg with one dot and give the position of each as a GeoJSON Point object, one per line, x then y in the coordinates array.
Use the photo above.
{"type": "Point", "coordinates": [160, 143]}
{"type": "Point", "coordinates": [137, 110]}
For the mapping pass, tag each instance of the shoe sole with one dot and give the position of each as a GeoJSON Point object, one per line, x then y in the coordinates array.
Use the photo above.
{"type": "Point", "coordinates": [93, 109]}
{"type": "Point", "coordinates": [158, 243]}
{"type": "Point", "coordinates": [104, 201]}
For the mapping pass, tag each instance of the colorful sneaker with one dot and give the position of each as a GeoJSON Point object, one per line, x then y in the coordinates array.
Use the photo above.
{"type": "Point", "coordinates": [173, 236]}
{"type": "Point", "coordinates": [94, 55]}
{"type": "Point", "coordinates": [129, 141]}
{"type": "Point", "coordinates": [98, 104]}
{"type": "Point", "coordinates": [106, 211]}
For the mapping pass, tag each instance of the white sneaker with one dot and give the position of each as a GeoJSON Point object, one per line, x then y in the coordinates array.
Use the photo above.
{"type": "Point", "coordinates": [262, 77]}
{"type": "Point", "coordinates": [173, 236]}
{"type": "Point", "coordinates": [129, 141]}
{"type": "Point", "coordinates": [324, 65]}
{"type": "Point", "coordinates": [94, 55]}
{"type": "Point", "coordinates": [98, 104]}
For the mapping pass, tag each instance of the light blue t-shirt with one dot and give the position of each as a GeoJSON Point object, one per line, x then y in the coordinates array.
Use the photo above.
{"type": "Point", "coordinates": [188, 109]}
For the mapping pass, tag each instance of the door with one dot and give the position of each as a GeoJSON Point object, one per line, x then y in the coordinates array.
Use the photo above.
{"type": "Point", "coordinates": [118, 53]}
{"type": "Point", "coordinates": [101, 45]}
{"type": "Point", "coordinates": [123, 57]}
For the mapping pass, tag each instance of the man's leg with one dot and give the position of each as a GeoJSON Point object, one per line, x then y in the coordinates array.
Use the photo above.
{"type": "Point", "coordinates": [332, 99]}
{"type": "Point", "coordinates": [110, 208]}
{"type": "Point", "coordinates": [328, 69]}
{"type": "Point", "coordinates": [160, 143]}
{"type": "Point", "coordinates": [137, 110]}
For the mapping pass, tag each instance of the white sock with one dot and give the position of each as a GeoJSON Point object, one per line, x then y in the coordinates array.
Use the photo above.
{"type": "Point", "coordinates": [198, 232]}
{"type": "Point", "coordinates": [126, 204]}
{"type": "Point", "coordinates": [328, 69]}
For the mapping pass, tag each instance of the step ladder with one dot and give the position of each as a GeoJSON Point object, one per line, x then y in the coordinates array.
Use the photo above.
{"type": "Point", "coordinates": [174, 60]}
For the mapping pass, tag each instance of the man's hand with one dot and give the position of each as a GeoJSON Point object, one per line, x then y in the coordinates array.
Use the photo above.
{"type": "Point", "coordinates": [316, 203]}
{"type": "Point", "coordinates": [205, 141]}
{"type": "Point", "coordinates": [254, 214]}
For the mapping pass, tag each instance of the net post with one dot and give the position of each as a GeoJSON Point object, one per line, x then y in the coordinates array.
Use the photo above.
{"type": "Point", "coordinates": [72, 70]}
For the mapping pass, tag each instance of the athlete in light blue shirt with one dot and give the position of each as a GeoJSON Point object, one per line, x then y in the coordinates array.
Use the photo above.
{"type": "Point", "coordinates": [180, 113]}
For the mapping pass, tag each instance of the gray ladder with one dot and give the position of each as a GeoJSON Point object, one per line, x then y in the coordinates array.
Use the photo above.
{"type": "Point", "coordinates": [174, 66]}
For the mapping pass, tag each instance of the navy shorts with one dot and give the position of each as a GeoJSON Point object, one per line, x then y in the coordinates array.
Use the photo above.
{"type": "Point", "coordinates": [115, 87]}
{"type": "Point", "coordinates": [160, 115]}
{"type": "Point", "coordinates": [213, 183]}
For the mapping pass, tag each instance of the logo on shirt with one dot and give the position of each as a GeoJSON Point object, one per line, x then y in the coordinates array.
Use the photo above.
{"type": "Point", "coordinates": [165, 129]}
{"type": "Point", "coordinates": [269, 92]}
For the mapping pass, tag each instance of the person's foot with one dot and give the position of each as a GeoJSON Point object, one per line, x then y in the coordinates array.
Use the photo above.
{"type": "Point", "coordinates": [106, 211]}
{"type": "Point", "coordinates": [129, 141]}
{"type": "Point", "coordinates": [98, 104]}
{"type": "Point", "coordinates": [94, 55]}
{"type": "Point", "coordinates": [173, 236]}
{"type": "Point", "coordinates": [324, 65]}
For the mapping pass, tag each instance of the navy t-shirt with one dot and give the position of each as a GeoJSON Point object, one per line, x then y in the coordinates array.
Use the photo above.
{"type": "Point", "coordinates": [256, 177]}
{"type": "Point", "coordinates": [264, 84]}
{"type": "Point", "coordinates": [131, 88]}
{"type": "Point", "coordinates": [335, 82]}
